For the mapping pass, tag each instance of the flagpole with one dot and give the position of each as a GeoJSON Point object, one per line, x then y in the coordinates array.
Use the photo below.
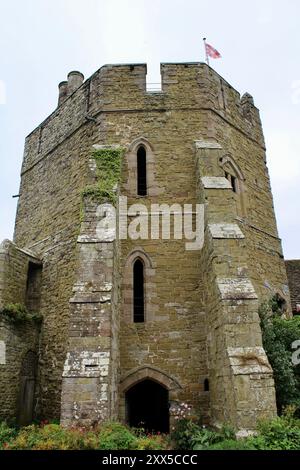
{"type": "Point", "coordinates": [207, 59]}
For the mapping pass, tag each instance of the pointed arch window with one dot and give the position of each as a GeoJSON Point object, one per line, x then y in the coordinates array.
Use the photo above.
{"type": "Point", "coordinates": [233, 173]}
{"type": "Point", "coordinates": [141, 171]}
{"type": "Point", "coordinates": [138, 292]}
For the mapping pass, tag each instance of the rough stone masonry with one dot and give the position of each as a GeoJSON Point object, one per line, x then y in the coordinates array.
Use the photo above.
{"type": "Point", "coordinates": [200, 342]}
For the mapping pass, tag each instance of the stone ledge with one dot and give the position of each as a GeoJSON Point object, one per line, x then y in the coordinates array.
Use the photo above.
{"type": "Point", "coordinates": [2, 353]}
{"type": "Point", "coordinates": [205, 144]}
{"type": "Point", "coordinates": [245, 361]}
{"type": "Point", "coordinates": [87, 288]}
{"type": "Point", "coordinates": [225, 231]}
{"type": "Point", "coordinates": [106, 146]}
{"type": "Point", "coordinates": [108, 238]}
{"type": "Point", "coordinates": [235, 288]}
{"type": "Point", "coordinates": [215, 182]}
{"type": "Point", "coordinates": [86, 364]}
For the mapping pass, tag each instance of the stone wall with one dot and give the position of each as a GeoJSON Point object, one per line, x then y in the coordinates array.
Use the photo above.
{"type": "Point", "coordinates": [16, 338]}
{"type": "Point", "coordinates": [15, 342]}
{"type": "Point", "coordinates": [14, 265]}
{"type": "Point", "coordinates": [293, 273]}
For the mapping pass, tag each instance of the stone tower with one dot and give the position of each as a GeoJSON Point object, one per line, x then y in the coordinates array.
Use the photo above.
{"type": "Point", "coordinates": [131, 325]}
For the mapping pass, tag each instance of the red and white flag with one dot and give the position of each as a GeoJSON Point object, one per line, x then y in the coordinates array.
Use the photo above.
{"type": "Point", "coordinates": [212, 52]}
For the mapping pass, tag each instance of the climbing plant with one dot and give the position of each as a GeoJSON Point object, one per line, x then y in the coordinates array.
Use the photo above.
{"type": "Point", "coordinates": [278, 335]}
{"type": "Point", "coordinates": [108, 163]}
{"type": "Point", "coordinates": [18, 313]}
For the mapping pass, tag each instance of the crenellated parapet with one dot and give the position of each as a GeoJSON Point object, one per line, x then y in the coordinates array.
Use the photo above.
{"type": "Point", "coordinates": [122, 89]}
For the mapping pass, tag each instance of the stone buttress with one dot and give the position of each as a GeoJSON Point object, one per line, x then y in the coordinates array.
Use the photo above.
{"type": "Point", "coordinates": [241, 381]}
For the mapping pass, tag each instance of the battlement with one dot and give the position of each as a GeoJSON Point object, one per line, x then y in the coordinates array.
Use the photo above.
{"type": "Point", "coordinates": [122, 88]}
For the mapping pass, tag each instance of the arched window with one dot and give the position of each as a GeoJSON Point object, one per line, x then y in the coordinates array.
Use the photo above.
{"type": "Point", "coordinates": [233, 180]}
{"type": "Point", "coordinates": [138, 292]}
{"type": "Point", "coordinates": [139, 283]}
{"type": "Point", "coordinates": [206, 385]}
{"type": "Point", "coordinates": [233, 173]}
{"type": "Point", "coordinates": [141, 171]}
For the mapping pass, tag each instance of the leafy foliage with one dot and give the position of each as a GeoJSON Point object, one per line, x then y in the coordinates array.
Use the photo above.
{"type": "Point", "coordinates": [184, 432]}
{"type": "Point", "coordinates": [278, 335]}
{"type": "Point", "coordinates": [18, 313]}
{"type": "Point", "coordinates": [282, 433]}
{"type": "Point", "coordinates": [231, 444]}
{"type": "Point", "coordinates": [110, 436]}
{"type": "Point", "coordinates": [7, 434]}
{"type": "Point", "coordinates": [115, 436]}
{"type": "Point", "coordinates": [190, 435]}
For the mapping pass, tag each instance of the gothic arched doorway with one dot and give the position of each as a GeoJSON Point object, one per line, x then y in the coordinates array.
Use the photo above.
{"type": "Point", "coordinates": [147, 406]}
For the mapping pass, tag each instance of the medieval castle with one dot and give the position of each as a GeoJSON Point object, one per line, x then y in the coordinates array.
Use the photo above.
{"type": "Point", "coordinates": [133, 327]}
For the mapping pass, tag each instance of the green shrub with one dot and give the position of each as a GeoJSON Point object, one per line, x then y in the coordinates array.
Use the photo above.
{"type": "Point", "coordinates": [278, 335]}
{"type": "Point", "coordinates": [231, 444]}
{"type": "Point", "coordinates": [182, 435]}
{"type": "Point", "coordinates": [7, 435]}
{"type": "Point", "coordinates": [152, 442]}
{"type": "Point", "coordinates": [115, 436]}
{"type": "Point", "coordinates": [206, 437]}
{"type": "Point", "coordinates": [110, 436]}
{"type": "Point", "coordinates": [189, 435]}
{"type": "Point", "coordinates": [49, 437]}
{"type": "Point", "coordinates": [282, 433]}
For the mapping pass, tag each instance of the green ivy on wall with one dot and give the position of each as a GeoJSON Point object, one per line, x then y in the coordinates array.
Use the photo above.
{"type": "Point", "coordinates": [18, 313]}
{"type": "Point", "coordinates": [108, 162]}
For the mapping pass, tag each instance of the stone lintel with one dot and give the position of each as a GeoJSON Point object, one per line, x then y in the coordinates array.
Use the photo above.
{"type": "Point", "coordinates": [235, 288]}
{"type": "Point", "coordinates": [216, 182]}
{"type": "Point", "coordinates": [105, 146]}
{"type": "Point", "coordinates": [206, 144]}
{"type": "Point", "coordinates": [90, 298]}
{"type": "Point", "coordinates": [225, 231]}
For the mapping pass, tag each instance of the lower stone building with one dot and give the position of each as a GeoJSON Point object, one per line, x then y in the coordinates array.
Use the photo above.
{"type": "Point", "coordinates": [146, 240]}
{"type": "Point", "coordinates": [293, 273]}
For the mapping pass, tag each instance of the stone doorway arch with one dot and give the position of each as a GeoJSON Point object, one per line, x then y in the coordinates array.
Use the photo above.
{"type": "Point", "coordinates": [152, 391]}
{"type": "Point", "coordinates": [147, 406]}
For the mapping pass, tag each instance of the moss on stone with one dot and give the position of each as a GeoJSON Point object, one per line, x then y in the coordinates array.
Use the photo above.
{"type": "Point", "coordinates": [18, 313]}
{"type": "Point", "coordinates": [108, 162]}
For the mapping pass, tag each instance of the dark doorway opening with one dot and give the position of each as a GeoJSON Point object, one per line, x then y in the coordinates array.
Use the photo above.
{"type": "Point", "coordinates": [141, 172]}
{"type": "Point", "coordinates": [147, 406]}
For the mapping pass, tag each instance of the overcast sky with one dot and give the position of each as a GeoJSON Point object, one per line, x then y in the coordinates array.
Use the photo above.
{"type": "Point", "coordinates": [42, 40]}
